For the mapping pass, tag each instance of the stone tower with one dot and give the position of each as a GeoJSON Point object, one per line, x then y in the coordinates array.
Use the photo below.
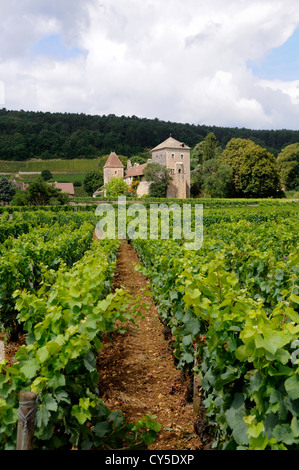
{"type": "Point", "coordinates": [113, 168]}
{"type": "Point", "coordinates": [175, 155]}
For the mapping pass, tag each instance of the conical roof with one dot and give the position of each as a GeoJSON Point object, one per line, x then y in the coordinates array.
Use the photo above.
{"type": "Point", "coordinates": [113, 161]}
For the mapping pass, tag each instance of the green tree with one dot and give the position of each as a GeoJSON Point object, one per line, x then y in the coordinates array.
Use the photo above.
{"type": "Point", "coordinates": [93, 181]}
{"type": "Point", "coordinates": [196, 180]}
{"type": "Point", "coordinates": [41, 193]}
{"type": "Point", "coordinates": [210, 147]}
{"type": "Point", "coordinates": [20, 198]}
{"type": "Point", "coordinates": [46, 175]}
{"type": "Point", "coordinates": [255, 172]}
{"type": "Point", "coordinates": [218, 181]}
{"type": "Point", "coordinates": [288, 166]}
{"type": "Point", "coordinates": [205, 150]}
{"type": "Point", "coordinates": [196, 156]}
{"type": "Point", "coordinates": [159, 176]}
{"type": "Point", "coordinates": [116, 187]}
{"type": "Point", "coordinates": [138, 159]}
{"type": "Point", "coordinates": [7, 190]}
{"type": "Point", "coordinates": [213, 178]}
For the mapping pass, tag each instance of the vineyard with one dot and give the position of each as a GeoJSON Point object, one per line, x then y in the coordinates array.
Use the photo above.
{"type": "Point", "coordinates": [230, 312]}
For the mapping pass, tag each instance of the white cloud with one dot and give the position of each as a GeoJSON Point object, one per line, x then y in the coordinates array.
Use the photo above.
{"type": "Point", "coordinates": [2, 93]}
{"type": "Point", "coordinates": [179, 61]}
{"type": "Point", "coordinates": [289, 88]}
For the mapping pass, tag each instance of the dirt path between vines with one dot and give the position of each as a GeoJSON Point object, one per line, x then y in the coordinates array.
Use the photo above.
{"type": "Point", "coordinates": [138, 374]}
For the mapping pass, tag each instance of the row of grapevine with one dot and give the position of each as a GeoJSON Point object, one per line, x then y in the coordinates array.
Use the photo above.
{"type": "Point", "coordinates": [65, 320]}
{"type": "Point", "coordinates": [233, 306]}
{"type": "Point", "coordinates": [52, 208]}
{"type": "Point", "coordinates": [206, 202]}
{"type": "Point", "coordinates": [18, 223]}
{"type": "Point", "coordinates": [25, 260]}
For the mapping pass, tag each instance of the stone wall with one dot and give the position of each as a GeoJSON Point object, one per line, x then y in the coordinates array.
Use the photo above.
{"type": "Point", "coordinates": [143, 188]}
{"type": "Point", "coordinates": [112, 173]}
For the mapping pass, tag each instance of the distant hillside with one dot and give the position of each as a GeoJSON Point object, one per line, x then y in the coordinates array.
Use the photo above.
{"type": "Point", "coordinates": [25, 135]}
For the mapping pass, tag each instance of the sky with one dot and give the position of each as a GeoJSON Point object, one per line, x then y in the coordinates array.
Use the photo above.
{"type": "Point", "coordinates": [232, 63]}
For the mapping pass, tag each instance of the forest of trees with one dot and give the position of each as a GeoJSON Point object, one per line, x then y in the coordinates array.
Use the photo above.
{"type": "Point", "coordinates": [26, 134]}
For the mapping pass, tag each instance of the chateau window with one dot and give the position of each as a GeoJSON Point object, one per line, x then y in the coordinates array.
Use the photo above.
{"type": "Point", "coordinates": [172, 155]}
{"type": "Point", "coordinates": [115, 172]}
{"type": "Point", "coordinates": [182, 156]}
{"type": "Point", "coordinates": [180, 171]}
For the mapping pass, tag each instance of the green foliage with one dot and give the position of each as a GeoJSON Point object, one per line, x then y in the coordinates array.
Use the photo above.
{"type": "Point", "coordinates": [65, 320]}
{"type": "Point", "coordinates": [93, 181]}
{"type": "Point", "coordinates": [157, 189]}
{"type": "Point", "coordinates": [28, 135]}
{"type": "Point", "coordinates": [20, 198]}
{"type": "Point", "coordinates": [196, 180]}
{"type": "Point", "coordinates": [255, 171]}
{"type": "Point", "coordinates": [7, 190]}
{"type": "Point", "coordinates": [27, 258]}
{"type": "Point", "coordinates": [116, 187]}
{"type": "Point", "coordinates": [210, 147]}
{"type": "Point", "coordinates": [233, 306]}
{"type": "Point", "coordinates": [288, 165]}
{"type": "Point", "coordinates": [46, 175]}
{"type": "Point", "coordinates": [40, 193]}
{"type": "Point", "coordinates": [159, 176]}
{"type": "Point", "coordinates": [196, 154]}
{"type": "Point", "coordinates": [217, 181]}
{"type": "Point", "coordinates": [139, 159]}
{"type": "Point", "coordinates": [213, 178]}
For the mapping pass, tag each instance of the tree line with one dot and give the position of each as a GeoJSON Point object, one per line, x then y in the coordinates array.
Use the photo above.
{"type": "Point", "coordinates": [27, 134]}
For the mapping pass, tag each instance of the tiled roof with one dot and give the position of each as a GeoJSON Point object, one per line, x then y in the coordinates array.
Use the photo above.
{"type": "Point", "coordinates": [171, 143]}
{"type": "Point", "coordinates": [65, 188]}
{"type": "Point", "coordinates": [113, 161]}
{"type": "Point", "coordinates": [20, 184]}
{"type": "Point", "coordinates": [135, 170]}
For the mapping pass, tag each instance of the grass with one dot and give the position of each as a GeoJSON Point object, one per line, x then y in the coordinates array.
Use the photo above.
{"type": "Point", "coordinates": [68, 178]}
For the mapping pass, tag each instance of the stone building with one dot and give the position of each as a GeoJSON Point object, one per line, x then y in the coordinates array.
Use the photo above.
{"type": "Point", "coordinates": [173, 154]}
{"type": "Point", "coordinates": [113, 168]}
{"type": "Point", "coordinates": [134, 173]}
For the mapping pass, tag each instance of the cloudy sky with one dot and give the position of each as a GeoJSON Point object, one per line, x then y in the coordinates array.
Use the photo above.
{"type": "Point", "coordinates": [226, 63]}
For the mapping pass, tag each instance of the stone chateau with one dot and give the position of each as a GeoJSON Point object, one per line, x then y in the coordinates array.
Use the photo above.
{"type": "Point", "coordinates": [173, 154]}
